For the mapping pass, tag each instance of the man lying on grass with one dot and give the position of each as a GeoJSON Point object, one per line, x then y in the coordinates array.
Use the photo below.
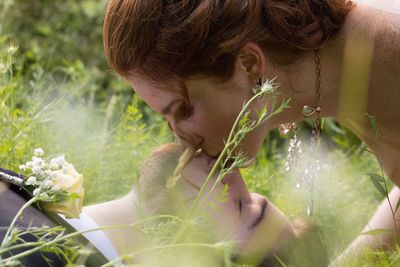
{"type": "Point", "coordinates": [255, 230]}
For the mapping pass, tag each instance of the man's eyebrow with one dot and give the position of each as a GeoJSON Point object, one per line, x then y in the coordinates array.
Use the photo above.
{"type": "Point", "coordinates": [166, 110]}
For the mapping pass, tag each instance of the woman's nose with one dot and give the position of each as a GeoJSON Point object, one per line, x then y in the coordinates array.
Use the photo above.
{"type": "Point", "coordinates": [184, 138]}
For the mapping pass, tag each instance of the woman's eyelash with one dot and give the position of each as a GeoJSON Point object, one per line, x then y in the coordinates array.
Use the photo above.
{"type": "Point", "coordinates": [184, 111]}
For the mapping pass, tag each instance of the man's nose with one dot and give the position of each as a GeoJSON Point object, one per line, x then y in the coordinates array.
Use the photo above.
{"type": "Point", "coordinates": [237, 186]}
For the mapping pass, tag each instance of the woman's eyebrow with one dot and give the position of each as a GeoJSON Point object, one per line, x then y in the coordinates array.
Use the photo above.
{"type": "Point", "coordinates": [166, 110]}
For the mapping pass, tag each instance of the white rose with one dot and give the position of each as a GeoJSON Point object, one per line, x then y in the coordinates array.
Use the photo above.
{"type": "Point", "coordinates": [71, 182]}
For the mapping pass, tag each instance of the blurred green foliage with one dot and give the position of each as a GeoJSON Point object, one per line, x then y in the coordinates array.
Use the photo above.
{"type": "Point", "coordinates": [57, 92]}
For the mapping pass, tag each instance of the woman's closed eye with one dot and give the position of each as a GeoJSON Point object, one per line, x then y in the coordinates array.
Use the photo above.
{"type": "Point", "coordinates": [184, 111]}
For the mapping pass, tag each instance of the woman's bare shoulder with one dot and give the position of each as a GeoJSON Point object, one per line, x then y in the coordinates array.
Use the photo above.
{"type": "Point", "coordinates": [392, 6]}
{"type": "Point", "coordinates": [387, 42]}
{"type": "Point", "coordinates": [379, 28]}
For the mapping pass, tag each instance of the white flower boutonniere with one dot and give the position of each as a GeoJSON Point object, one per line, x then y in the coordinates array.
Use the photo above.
{"type": "Point", "coordinates": [67, 180]}
{"type": "Point", "coordinates": [56, 185]}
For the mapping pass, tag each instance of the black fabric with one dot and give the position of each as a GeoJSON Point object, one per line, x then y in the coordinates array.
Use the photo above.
{"type": "Point", "coordinates": [12, 198]}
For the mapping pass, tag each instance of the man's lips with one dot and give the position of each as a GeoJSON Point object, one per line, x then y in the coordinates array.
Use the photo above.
{"type": "Point", "coordinates": [211, 158]}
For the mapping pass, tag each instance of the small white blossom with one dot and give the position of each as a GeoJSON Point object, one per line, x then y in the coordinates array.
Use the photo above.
{"type": "Point", "coordinates": [31, 181]}
{"type": "Point", "coordinates": [56, 188]}
{"type": "Point", "coordinates": [58, 161]}
{"type": "Point", "coordinates": [22, 167]}
{"type": "Point", "coordinates": [268, 87]}
{"type": "Point", "coordinates": [37, 161]}
{"type": "Point", "coordinates": [65, 170]}
{"type": "Point", "coordinates": [36, 192]}
{"type": "Point", "coordinates": [46, 173]}
{"type": "Point", "coordinates": [3, 68]}
{"type": "Point", "coordinates": [47, 183]}
{"type": "Point", "coordinates": [38, 152]}
{"type": "Point", "coordinates": [12, 49]}
{"type": "Point", "coordinates": [37, 170]}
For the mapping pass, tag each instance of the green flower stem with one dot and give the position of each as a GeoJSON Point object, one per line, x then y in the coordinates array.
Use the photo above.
{"type": "Point", "coordinates": [71, 235]}
{"type": "Point", "coordinates": [14, 221]}
{"type": "Point", "coordinates": [373, 125]}
{"type": "Point", "coordinates": [224, 151]}
{"type": "Point", "coordinates": [130, 255]}
{"type": "Point", "coordinates": [389, 202]}
{"type": "Point", "coordinates": [24, 245]}
{"type": "Point", "coordinates": [232, 142]}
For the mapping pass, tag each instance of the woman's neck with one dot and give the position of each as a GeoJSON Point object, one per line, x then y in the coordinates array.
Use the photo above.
{"type": "Point", "coordinates": [298, 82]}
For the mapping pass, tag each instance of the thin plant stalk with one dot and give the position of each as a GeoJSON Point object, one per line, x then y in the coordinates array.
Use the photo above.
{"type": "Point", "coordinates": [14, 221]}
{"type": "Point", "coordinates": [71, 235]}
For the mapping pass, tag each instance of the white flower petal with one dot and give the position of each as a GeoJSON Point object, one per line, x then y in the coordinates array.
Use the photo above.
{"type": "Point", "coordinates": [38, 152]}
{"type": "Point", "coordinates": [36, 192]}
{"type": "Point", "coordinates": [47, 183]}
{"type": "Point", "coordinates": [31, 180]}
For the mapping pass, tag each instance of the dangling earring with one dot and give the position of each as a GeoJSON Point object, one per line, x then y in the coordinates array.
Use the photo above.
{"type": "Point", "coordinates": [306, 172]}
{"type": "Point", "coordinates": [257, 87]}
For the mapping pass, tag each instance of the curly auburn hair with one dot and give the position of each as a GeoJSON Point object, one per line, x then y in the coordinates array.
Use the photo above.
{"type": "Point", "coordinates": [163, 39]}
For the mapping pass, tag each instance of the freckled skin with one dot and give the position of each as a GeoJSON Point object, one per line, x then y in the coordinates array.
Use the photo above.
{"type": "Point", "coordinates": [382, 29]}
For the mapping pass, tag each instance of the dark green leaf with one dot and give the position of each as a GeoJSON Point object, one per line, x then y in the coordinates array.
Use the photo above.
{"type": "Point", "coordinates": [372, 124]}
{"type": "Point", "coordinates": [376, 177]}
{"type": "Point", "coordinates": [378, 180]}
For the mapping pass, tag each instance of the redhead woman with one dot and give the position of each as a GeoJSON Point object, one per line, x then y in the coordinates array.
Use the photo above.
{"type": "Point", "coordinates": [197, 62]}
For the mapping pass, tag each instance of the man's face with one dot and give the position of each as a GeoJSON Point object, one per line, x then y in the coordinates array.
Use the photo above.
{"type": "Point", "coordinates": [253, 222]}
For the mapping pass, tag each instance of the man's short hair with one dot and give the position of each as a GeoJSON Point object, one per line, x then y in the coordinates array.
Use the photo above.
{"type": "Point", "coordinates": [154, 196]}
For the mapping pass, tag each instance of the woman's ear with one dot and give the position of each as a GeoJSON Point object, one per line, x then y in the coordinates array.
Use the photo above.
{"type": "Point", "coordinates": [251, 60]}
